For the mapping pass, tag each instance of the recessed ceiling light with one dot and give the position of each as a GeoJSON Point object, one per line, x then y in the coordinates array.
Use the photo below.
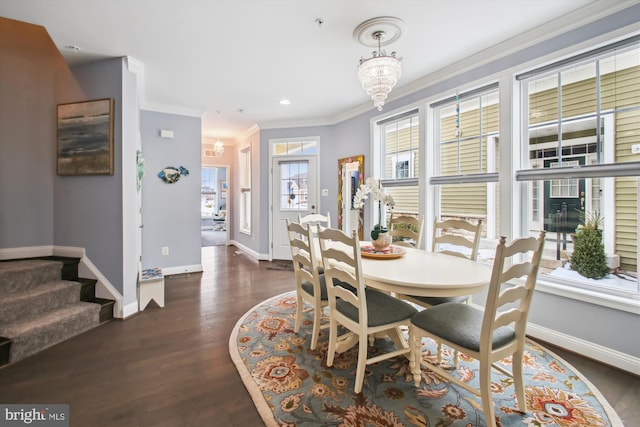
{"type": "Point", "coordinates": [285, 102]}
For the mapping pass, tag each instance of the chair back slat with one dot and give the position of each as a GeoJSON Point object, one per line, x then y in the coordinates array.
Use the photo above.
{"type": "Point", "coordinates": [315, 219]}
{"type": "Point", "coordinates": [510, 295]}
{"type": "Point", "coordinates": [516, 271]}
{"type": "Point", "coordinates": [506, 318]}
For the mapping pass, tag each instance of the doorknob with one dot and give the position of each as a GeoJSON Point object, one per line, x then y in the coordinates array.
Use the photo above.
{"type": "Point", "coordinates": [313, 206]}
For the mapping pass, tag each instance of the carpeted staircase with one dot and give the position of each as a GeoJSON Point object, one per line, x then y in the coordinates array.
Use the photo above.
{"type": "Point", "coordinates": [42, 303]}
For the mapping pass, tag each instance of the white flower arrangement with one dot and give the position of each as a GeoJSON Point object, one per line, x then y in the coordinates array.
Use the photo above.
{"type": "Point", "coordinates": [372, 186]}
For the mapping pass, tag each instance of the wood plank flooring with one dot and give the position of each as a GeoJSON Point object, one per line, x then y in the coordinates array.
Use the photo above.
{"type": "Point", "coordinates": [171, 366]}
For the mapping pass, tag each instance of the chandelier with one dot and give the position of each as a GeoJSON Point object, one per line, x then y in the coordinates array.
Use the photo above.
{"type": "Point", "coordinates": [218, 148]}
{"type": "Point", "coordinates": [380, 73]}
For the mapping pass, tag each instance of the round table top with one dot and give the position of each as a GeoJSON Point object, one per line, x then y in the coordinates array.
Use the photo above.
{"type": "Point", "coordinates": [423, 273]}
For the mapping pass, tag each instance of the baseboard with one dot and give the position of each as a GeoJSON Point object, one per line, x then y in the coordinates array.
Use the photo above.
{"type": "Point", "coordinates": [588, 349]}
{"type": "Point", "coordinates": [130, 309]}
{"type": "Point", "coordinates": [249, 251]}
{"type": "Point", "coordinates": [26, 252]}
{"type": "Point", "coordinates": [195, 268]}
{"type": "Point", "coordinates": [104, 288]}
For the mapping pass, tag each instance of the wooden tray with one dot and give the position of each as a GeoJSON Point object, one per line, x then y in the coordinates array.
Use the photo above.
{"type": "Point", "coordinates": [368, 251]}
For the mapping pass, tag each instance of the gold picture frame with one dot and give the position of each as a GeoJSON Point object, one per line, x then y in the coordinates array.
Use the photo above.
{"type": "Point", "coordinates": [360, 181]}
{"type": "Point", "coordinates": [85, 138]}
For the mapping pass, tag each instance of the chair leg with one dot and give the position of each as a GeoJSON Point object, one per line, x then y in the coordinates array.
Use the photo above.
{"type": "Point", "coordinates": [333, 339]}
{"type": "Point", "coordinates": [317, 318]}
{"type": "Point", "coordinates": [518, 383]}
{"type": "Point", "coordinates": [415, 355]}
{"type": "Point", "coordinates": [300, 306]}
{"type": "Point", "coordinates": [485, 392]}
{"type": "Point", "coordinates": [362, 364]}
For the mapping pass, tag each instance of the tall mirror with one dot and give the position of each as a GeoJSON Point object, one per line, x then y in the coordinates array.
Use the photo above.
{"type": "Point", "coordinates": [351, 176]}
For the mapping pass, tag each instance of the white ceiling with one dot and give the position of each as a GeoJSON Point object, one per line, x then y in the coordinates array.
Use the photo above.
{"type": "Point", "coordinates": [233, 61]}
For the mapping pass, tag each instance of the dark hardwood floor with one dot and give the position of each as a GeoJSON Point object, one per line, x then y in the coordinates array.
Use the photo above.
{"type": "Point", "coordinates": [171, 367]}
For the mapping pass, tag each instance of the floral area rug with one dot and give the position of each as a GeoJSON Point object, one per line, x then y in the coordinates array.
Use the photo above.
{"type": "Point", "coordinates": [291, 385]}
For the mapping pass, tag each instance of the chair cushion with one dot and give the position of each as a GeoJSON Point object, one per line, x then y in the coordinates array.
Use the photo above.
{"type": "Point", "coordinates": [381, 309]}
{"type": "Point", "coordinates": [441, 300]}
{"type": "Point", "coordinates": [308, 288]}
{"type": "Point", "coordinates": [460, 324]}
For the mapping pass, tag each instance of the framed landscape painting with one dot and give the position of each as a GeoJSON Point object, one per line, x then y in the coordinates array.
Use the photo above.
{"type": "Point", "coordinates": [85, 138]}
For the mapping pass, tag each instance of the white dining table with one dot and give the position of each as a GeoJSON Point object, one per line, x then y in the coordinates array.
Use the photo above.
{"type": "Point", "coordinates": [423, 273]}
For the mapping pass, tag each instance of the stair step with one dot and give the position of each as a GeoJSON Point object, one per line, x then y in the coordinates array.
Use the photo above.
{"type": "Point", "coordinates": [106, 308]}
{"type": "Point", "coordinates": [88, 290]}
{"type": "Point", "coordinates": [40, 299]}
{"type": "Point", "coordinates": [31, 336]}
{"type": "Point", "coordinates": [19, 275]}
{"type": "Point", "coordinates": [69, 266]}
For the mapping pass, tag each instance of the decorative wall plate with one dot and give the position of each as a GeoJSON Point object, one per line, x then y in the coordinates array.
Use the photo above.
{"type": "Point", "coordinates": [172, 174]}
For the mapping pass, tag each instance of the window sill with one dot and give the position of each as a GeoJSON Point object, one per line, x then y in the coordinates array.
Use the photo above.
{"type": "Point", "coordinates": [629, 304]}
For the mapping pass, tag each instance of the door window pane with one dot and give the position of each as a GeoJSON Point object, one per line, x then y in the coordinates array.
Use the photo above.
{"type": "Point", "coordinates": [294, 179]}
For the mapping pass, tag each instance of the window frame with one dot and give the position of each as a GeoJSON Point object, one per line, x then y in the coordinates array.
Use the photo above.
{"type": "Point", "coordinates": [413, 155]}
{"type": "Point", "coordinates": [607, 168]}
{"type": "Point", "coordinates": [245, 189]}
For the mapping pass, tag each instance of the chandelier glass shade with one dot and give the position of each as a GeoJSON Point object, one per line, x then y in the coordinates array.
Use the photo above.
{"type": "Point", "coordinates": [379, 74]}
{"type": "Point", "coordinates": [218, 148]}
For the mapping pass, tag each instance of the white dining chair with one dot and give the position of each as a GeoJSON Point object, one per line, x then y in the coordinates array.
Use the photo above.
{"type": "Point", "coordinates": [458, 238]}
{"type": "Point", "coordinates": [310, 284]}
{"type": "Point", "coordinates": [360, 310]}
{"type": "Point", "coordinates": [487, 335]}
{"type": "Point", "coordinates": [406, 230]}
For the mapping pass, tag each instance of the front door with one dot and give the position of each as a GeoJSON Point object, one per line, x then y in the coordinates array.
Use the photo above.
{"type": "Point", "coordinates": [564, 195]}
{"type": "Point", "coordinates": [294, 194]}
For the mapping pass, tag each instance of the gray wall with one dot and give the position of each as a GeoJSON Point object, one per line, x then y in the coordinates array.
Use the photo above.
{"type": "Point", "coordinates": [27, 134]}
{"type": "Point", "coordinates": [171, 212]}
{"type": "Point", "coordinates": [88, 209]}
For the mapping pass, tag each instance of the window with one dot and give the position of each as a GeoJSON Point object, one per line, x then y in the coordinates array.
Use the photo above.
{"type": "Point", "coordinates": [294, 185]}
{"type": "Point", "coordinates": [581, 120]}
{"type": "Point", "coordinates": [295, 147]}
{"type": "Point", "coordinates": [466, 168]}
{"type": "Point", "coordinates": [400, 148]}
{"type": "Point", "coordinates": [245, 190]}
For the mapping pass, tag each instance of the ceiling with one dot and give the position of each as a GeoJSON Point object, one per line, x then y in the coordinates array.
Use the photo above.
{"type": "Point", "coordinates": [231, 62]}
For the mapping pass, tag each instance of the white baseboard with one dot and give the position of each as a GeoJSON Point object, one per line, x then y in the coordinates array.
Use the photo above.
{"type": "Point", "coordinates": [249, 251]}
{"type": "Point", "coordinates": [130, 309]}
{"type": "Point", "coordinates": [608, 356]}
{"type": "Point", "coordinates": [26, 252]}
